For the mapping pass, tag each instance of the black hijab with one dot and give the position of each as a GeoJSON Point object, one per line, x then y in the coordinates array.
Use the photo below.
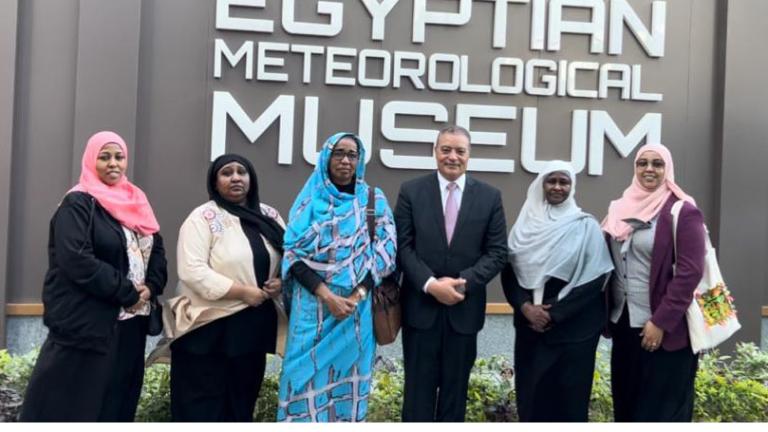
{"type": "Point", "coordinates": [251, 211]}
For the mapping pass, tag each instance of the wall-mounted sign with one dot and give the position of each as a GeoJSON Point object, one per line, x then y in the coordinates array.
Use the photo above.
{"type": "Point", "coordinates": [412, 78]}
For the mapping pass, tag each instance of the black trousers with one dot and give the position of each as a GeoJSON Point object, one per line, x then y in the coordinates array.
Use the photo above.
{"type": "Point", "coordinates": [73, 384]}
{"type": "Point", "coordinates": [215, 387]}
{"type": "Point", "coordinates": [650, 386]}
{"type": "Point", "coordinates": [553, 382]}
{"type": "Point", "coordinates": [437, 363]}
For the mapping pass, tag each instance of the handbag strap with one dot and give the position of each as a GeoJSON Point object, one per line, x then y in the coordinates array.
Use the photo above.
{"type": "Point", "coordinates": [676, 207]}
{"type": "Point", "coordinates": [370, 212]}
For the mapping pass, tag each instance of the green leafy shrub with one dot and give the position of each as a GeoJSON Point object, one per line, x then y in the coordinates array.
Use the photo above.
{"type": "Point", "coordinates": [491, 392]}
{"type": "Point", "coordinates": [490, 395]}
{"type": "Point", "coordinates": [15, 370]}
{"type": "Point", "coordinates": [750, 363]}
{"type": "Point", "coordinates": [732, 388]}
{"type": "Point", "coordinates": [155, 400]}
{"type": "Point", "coordinates": [728, 389]}
{"type": "Point", "coordinates": [386, 400]}
{"type": "Point", "coordinates": [266, 404]}
{"type": "Point", "coordinates": [600, 402]}
{"type": "Point", "coordinates": [719, 399]}
{"type": "Point", "coordinates": [5, 359]}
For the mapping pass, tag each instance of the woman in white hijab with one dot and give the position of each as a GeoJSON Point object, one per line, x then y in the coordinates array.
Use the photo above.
{"type": "Point", "coordinates": [559, 262]}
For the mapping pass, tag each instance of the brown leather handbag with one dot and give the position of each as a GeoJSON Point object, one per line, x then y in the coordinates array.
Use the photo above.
{"type": "Point", "coordinates": [386, 297]}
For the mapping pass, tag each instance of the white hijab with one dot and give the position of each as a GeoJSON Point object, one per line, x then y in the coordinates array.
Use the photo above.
{"type": "Point", "coordinates": [559, 241]}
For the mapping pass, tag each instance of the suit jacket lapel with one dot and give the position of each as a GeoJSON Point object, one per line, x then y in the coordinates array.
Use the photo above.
{"type": "Point", "coordinates": [436, 204]}
{"type": "Point", "coordinates": [467, 203]}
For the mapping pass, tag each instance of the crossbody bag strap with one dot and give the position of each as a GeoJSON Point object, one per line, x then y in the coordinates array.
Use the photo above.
{"type": "Point", "coordinates": [370, 212]}
{"type": "Point", "coordinates": [675, 217]}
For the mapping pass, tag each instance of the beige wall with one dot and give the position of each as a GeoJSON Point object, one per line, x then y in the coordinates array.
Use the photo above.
{"type": "Point", "coordinates": [145, 69]}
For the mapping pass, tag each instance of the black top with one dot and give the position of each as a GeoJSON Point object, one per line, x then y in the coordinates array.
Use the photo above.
{"type": "Point", "coordinates": [259, 250]}
{"type": "Point", "coordinates": [311, 280]}
{"type": "Point", "coordinates": [577, 317]}
{"type": "Point", "coordinates": [86, 282]}
{"type": "Point", "coordinates": [253, 329]}
{"type": "Point", "coordinates": [347, 188]}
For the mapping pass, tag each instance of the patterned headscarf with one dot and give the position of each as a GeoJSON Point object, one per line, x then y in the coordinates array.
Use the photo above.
{"type": "Point", "coordinates": [327, 228]}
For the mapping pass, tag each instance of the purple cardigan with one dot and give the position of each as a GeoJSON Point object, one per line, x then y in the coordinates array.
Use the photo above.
{"type": "Point", "coordinates": [672, 294]}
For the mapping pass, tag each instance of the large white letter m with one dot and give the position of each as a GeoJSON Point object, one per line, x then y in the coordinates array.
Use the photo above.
{"type": "Point", "coordinates": [225, 106]}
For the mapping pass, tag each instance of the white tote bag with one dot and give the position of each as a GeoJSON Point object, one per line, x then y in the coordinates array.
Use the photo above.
{"type": "Point", "coordinates": [711, 316]}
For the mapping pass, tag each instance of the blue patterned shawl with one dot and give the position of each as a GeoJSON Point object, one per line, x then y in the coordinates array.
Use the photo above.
{"type": "Point", "coordinates": [327, 230]}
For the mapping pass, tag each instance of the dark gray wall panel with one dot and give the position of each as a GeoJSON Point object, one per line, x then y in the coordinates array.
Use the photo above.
{"type": "Point", "coordinates": [45, 95]}
{"type": "Point", "coordinates": [744, 218]}
{"type": "Point", "coordinates": [173, 111]}
{"type": "Point", "coordinates": [8, 29]}
{"type": "Point", "coordinates": [145, 69]}
{"type": "Point", "coordinates": [107, 72]}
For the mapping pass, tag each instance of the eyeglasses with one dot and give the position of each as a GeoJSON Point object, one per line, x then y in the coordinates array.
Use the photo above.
{"type": "Point", "coordinates": [656, 163]}
{"type": "Point", "coordinates": [339, 155]}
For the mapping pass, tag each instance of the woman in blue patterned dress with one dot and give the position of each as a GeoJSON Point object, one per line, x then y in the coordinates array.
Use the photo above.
{"type": "Point", "coordinates": [330, 266]}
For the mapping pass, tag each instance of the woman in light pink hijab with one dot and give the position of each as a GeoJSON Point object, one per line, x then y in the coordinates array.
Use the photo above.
{"type": "Point", "coordinates": [106, 269]}
{"type": "Point", "coordinates": [652, 365]}
{"type": "Point", "coordinates": [644, 198]}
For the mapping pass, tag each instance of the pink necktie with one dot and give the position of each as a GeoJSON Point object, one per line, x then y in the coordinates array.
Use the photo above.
{"type": "Point", "coordinates": [451, 211]}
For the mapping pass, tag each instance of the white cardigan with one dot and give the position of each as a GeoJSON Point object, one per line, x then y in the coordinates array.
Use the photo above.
{"type": "Point", "coordinates": [213, 252]}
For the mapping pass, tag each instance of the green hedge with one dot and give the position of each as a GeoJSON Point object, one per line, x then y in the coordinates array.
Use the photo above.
{"type": "Point", "coordinates": [728, 389]}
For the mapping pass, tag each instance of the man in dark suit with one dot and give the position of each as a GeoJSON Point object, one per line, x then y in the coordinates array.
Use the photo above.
{"type": "Point", "coordinates": [451, 236]}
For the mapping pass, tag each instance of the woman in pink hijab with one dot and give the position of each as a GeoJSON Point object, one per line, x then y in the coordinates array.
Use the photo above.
{"type": "Point", "coordinates": [652, 364]}
{"type": "Point", "coordinates": [106, 267]}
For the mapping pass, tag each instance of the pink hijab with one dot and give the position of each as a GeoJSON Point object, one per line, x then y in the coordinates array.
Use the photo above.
{"type": "Point", "coordinates": [639, 203]}
{"type": "Point", "coordinates": [124, 200]}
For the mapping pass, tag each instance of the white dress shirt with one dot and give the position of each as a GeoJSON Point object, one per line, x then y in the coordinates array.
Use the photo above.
{"type": "Point", "coordinates": [460, 182]}
{"type": "Point", "coordinates": [457, 194]}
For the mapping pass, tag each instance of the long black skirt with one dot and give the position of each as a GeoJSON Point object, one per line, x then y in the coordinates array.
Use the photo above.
{"type": "Point", "coordinates": [553, 382]}
{"type": "Point", "coordinates": [215, 387]}
{"type": "Point", "coordinates": [127, 376]}
{"type": "Point", "coordinates": [73, 384]}
{"type": "Point", "coordinates": [650, 386]}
